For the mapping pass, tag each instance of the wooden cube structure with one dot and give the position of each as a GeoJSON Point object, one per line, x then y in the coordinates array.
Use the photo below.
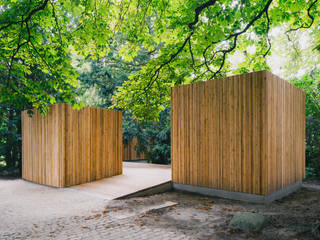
{"type": "Point", "coordinates": [69, 147]}
{"type": "Point", "coordinates": [240, 134]}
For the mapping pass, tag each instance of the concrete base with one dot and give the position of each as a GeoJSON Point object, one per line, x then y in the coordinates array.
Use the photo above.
{"type": "Point", "coordinates": [247, 197]}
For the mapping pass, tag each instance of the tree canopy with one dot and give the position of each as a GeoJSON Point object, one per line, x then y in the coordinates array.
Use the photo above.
{"type": "Point", "coordinates": [187, 41]}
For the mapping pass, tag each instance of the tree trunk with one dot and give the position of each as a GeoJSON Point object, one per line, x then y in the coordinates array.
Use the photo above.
{"type": "Point", "coordinates": [10, 141]}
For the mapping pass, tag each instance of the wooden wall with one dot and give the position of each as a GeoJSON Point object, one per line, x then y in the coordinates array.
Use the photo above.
{"type": "Point", "coordinates": [41, 144]}
{"type": "Point", "coordinates": [243, 133]}
{"type": "Point", "coordinates": [130, 153]}
{"type": "Point", "coordinates": [69, 147]}
{"type": "Point", "coordinates": [285, 121]}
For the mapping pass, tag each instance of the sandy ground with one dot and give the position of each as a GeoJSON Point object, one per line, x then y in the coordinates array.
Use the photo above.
{"type": "Point", "coordinates": [31, 211]}
{"type": "Point", "coordinates": [23, 204]}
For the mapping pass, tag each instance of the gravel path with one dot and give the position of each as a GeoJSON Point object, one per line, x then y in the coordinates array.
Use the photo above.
{"type": "Point", "coordinates": [24, 204]}
{"type": "Point", "coordinates": [31, 211]}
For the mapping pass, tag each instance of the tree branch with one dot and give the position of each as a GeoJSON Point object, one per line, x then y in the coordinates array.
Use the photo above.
{"type": "Point", "coordinates": [267, 34]}
{"type": "Point", "coordinates": [57, 21]}
{"type": "Point", "coordinates": [199, 10]}
{"type": "Point", "coordinates": [33, 11]}
{"type": "Point", "coordinates": [309, 15]}
{"type": "Point", "coordinates": [15, 52]}
{"type": "Point", "coordinates": [191, 54]}
{"type": "Point", "coordinates": [235, 36]}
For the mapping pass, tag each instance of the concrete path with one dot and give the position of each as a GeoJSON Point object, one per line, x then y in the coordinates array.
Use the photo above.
{"type": "Point", "coordinates": [136, 177]}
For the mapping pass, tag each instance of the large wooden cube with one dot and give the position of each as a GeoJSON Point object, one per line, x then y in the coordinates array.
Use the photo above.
{"type": "Point", "coordinates": [239, 134]}
{"type": "Point", "coordinates": [69, 147]}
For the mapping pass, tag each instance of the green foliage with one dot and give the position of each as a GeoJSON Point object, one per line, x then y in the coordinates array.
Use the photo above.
{"type": "Point", "coordinates": [198, 37]}
{"type": "Point", "coordinates": [311, 85]}
{"type": "Point", "coordinates": [34, 57]}
{"type": "Point", "coordinates": [154, 139]}
{"type": "Point", "coordinates": [10, 138]}
{"type": "Point", "coordinates": [195, 37]}
{"type": "Point", "coordinates": [99, 78]}
{"type": "Point", "coordinates": [98, 83]}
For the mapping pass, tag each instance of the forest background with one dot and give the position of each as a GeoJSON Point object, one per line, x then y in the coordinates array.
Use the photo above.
{"type": "Point", "coordinates": [127, 54]}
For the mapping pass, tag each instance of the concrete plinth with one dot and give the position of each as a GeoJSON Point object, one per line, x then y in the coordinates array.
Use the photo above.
{"type": "Point", "coordinates": [247, 197]}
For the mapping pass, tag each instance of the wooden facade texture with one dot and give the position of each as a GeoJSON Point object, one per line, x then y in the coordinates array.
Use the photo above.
{"type": "Point", "coordinates": [244, 133]}
{"type": "Point", "coordinates": [130, 153]}
{"type": "Point", "coordinates": [69, 147]}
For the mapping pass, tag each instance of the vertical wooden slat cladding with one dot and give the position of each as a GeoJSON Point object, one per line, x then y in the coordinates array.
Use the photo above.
{"type": "Point", "coordinates": [130, 153]}
{"type": "Point", "coordinates": [243, 133]}
{"type": "Point", "coordinates": [69, 147]}
{"type": "Point", "coordinates": [286, 138]}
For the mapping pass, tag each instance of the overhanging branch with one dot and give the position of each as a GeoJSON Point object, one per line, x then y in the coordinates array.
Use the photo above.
{"type": "Point", "coordinates": [235, 37]}
{"type": "Point", "coordinates": [309, 15]}
{"type": "Point", "coordinates": [29, 15]}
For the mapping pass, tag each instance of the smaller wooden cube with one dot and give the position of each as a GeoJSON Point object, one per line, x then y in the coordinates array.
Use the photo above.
{"type": "Point", "coordinates": [69, 147]}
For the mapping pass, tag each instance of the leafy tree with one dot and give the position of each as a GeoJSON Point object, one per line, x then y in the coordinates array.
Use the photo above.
{"type": "Point", "coordinates": [154, 137]}
{"type": "Point", "coordinates": [34, 56]}
{"type": "Point", "coordinates": [196, 39]}
{"type": "Point", "coordinates": [10, 138]}
{"type": "Point", "coordinates": [99, 78]}
{"type": "Point", "coordinates": [10, 128]}
{"type": "Point", "coordinates": [310, 83]}
{"type": "Point", "coordinates": [98, 83]}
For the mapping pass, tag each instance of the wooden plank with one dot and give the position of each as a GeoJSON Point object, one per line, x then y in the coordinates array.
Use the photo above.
{"type": "Point", "coordinates": [279, 134]}
{"type": "Point", "coordinates": [103, 143]}
{"type": "Point", "coordinates": [109, 146]}
{"type": "Point", "coordinates": [231, 134]}
{"type": "Point", "coordinates": [114, 129]}
{"type": "Point", "coordinates": [205, 127]}
{"type": "Point", "coordinates": [191, 142]}
{"type": "Point", "coordinates": [263, 136]}
{"type": "Point", "coordinates": [186, 134]}
{"type": "Point", "coordinates": [220, 139]}
{"type": "Point", "coordinates": [24, 145]}
{"type": "Point", "coordinates": [215, 137]}
{"type": "Point", "coordinates": [129, 151]}
{"type": "Point", "coordinates": [201, 135]}
{"type": "Point", "coordinates": [93, 143]}
{"type": "Point", "coordinates": [120, 141]}
{"type": "Point", "coordinates": [97, 145]}
{"type": "Point", "coordinates": [303, 124]}
{"type": "Point", "coordinates": [237, 131]}
{"type": "Point", "coordinates": [210, 146]}
{"type": "Point", "coordinates": [173, 132]}
{"type": "Point", "coordinates": [183, 136]}
{"type": "Point", "coordinates": [256, 134]}
{"type": "Point", "coordinates": [62, 146]}
{"type": "Point", "coordinates": [194, 165]}
{"type": "Point", "coordinates": [246, 174]}
{"type": "Point", "coordinates": [272, 139]}
{"type": "Point", "coordinates": [39, 147]}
